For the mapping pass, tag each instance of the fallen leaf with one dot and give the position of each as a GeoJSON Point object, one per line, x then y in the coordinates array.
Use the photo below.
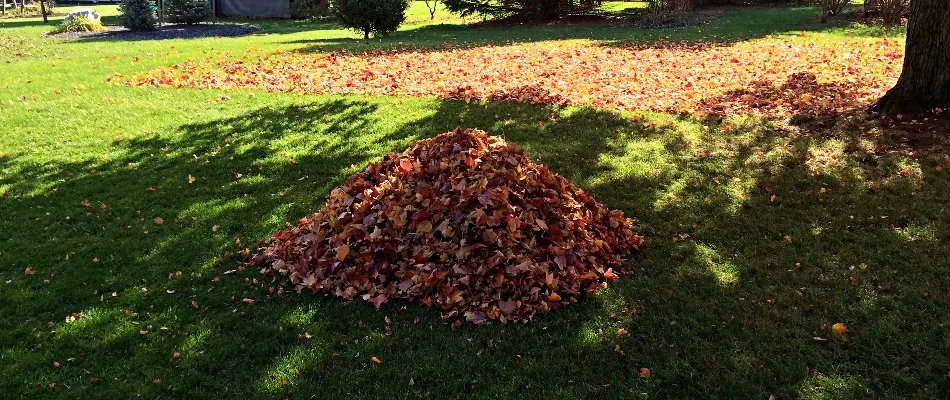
{"type": "Point", "coordinates": [839, 328]}
{"type": "Point", "coordinates": [159, 221]}
{"type": "Point", "coordinates": [341, 252]}
{"type": "Point", "coordinates": [375, 359]}
{"type": "Point", "coordinates": [191, 179]}
{"type": "Point", "coordinates": [644, 372]}
{"type": "Point", "coordinates": [378, 300]}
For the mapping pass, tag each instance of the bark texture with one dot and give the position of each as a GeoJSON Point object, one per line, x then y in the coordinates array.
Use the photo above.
{"type": "Point", "coordinates": [925, 80]}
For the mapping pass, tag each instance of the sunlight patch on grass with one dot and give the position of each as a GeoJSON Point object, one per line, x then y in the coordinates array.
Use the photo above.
{"type": "Point", "coordinates": [300, 316]}
{"type": "Point", "coordinates": [918, 232]}
{"type": "Point", "coordinates": [826, 157]}
{"type": "Point", "coordinates": [725, 272]}
{"type": "Point", "coordinates": [602, 328]}
{"type": "Point", "coordinates": [98, 324]}
{"type": "Point", "coordinates": [286, 369]}
{"type": "Point", "coordinates": [828, 387]}
{"type": "Point", "coordinates": [193, 344]}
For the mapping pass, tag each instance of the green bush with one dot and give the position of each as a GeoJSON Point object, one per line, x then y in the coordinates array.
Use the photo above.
{"type": "Point", "coordinates": [309, 9]}
{"type": "Point", "coordinates": [137, 15]}
{"type": "Point", "coordinates": [79, 24]}
{"type": "Point", "coordinates": [187, 11]}
{"type": "Point", "coordinates": [379, 17]}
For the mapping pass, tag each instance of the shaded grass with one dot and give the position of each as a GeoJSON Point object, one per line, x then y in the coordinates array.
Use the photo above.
{"type": "Point", "coordinates": [718, 306]}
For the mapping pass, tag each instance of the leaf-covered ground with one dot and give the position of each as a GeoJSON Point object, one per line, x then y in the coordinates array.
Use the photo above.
{"type": "Point", "coordinates": [765, 76]}
{"type": "Point", "coordinates": [122, 210]}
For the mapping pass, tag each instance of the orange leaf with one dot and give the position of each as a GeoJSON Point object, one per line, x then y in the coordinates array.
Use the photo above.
{"type": "Point", "coordinates": [341, 252]}
{"type": "Point", "coordinates": [839, 329]}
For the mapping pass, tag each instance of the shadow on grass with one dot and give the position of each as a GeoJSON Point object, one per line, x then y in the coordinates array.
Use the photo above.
{"type": "Point", "coordinates": [19, 23]}
{"type": "Point", "coordinates": [721, 304]}
{"type": "Point", "coordinates": [735, 24]}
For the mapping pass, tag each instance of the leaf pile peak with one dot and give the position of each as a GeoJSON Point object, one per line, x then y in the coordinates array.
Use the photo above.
{"type": "Point", "coordinates": [463, 222]}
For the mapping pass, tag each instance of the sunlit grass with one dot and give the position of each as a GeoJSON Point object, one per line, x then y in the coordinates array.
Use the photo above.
{"type": "Point", "coordinates": [718, 304]}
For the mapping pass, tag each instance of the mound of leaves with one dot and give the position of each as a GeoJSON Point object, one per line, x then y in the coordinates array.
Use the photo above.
{"type": "Point", "coordinates": [463, 222]}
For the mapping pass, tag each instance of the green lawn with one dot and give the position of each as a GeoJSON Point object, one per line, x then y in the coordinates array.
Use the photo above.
{"type": "Point", "coordinates": [761, 235]}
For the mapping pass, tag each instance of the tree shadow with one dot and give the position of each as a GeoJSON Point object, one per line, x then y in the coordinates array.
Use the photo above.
{"type": "Point", "coordinates": [734, 25]}
{"type": "Point", "coordinates": [168, 32]}
{"type": "Point", "coordinates": [150, 287]}
{"type": "Point", "coordinates": [799, 94]}
{"type": "Point", "coordinates": [17, 23]}
{"type": "Point", "coordinates": [720, 304]}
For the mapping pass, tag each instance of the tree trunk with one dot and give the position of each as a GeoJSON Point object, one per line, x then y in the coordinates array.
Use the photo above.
{"type": "Point", "coordinates": [42, 11]}
{"type": "Point", "coordinates": [925, 81]}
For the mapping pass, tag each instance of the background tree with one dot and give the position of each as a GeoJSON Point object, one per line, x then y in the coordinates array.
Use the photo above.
{"type": "Point", "coordinates": [925, 80]}
{"type": "Point", "coordinates": [432, 5]}
{"type": "Point", "coordinates": [186, 11]}
{"type": "Point", "coordinates": [309, 9]}
{"type": "Point", "coordinates": [137, 15]}
{"type": "Point", "coordinates": [379, 17]}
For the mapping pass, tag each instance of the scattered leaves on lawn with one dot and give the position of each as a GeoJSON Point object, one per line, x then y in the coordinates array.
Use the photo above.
{"type": "Point", "coordinates": [463, 222]}
{"type": "Point", "coordinates": [770, 76]}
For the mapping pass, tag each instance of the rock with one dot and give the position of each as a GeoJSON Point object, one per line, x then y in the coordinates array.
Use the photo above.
{"type": "Point", "coordinates": [89, 13]}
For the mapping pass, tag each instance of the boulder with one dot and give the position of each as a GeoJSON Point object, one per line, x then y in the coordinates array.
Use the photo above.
{"type": "Point", "coordinates": [89, 13]}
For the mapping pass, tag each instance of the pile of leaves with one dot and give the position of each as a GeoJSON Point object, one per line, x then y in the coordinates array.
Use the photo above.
{"type": "Point", "coordinates": [691, 78]}
{"type": "Point", "coordinates": [463, 222]}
